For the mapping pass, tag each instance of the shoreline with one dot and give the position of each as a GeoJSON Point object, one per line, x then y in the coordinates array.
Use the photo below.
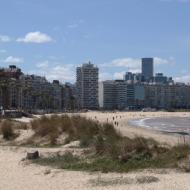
{"type": "Point", "coordinates": [161, 126]}
{"type": "Point", "coordinates": [127, 129]}
{"type": "Point", "coordinates": [131, 131]}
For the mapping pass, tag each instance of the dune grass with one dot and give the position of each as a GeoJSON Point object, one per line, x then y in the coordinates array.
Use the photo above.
{"type": "Point", "coordinates": [111, 151]}
{"type": "Point", "coordinates": [7, 130]}
{"type": "Point", "coordinates": [75, 127]}
{"type": "Point", "coordinates": [10, 128]}
{"type": "Point", "coordinates": [168, 159]}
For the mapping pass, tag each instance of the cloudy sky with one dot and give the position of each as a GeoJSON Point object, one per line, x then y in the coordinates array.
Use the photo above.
{"type": "Point", "coordinates": [53, 37]}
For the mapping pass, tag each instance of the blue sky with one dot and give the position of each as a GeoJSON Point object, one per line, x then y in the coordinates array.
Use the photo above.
{"type": "Point", "coordinates": [52, 37]}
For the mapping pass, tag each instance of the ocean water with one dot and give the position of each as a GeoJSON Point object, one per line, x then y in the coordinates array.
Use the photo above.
{"type": "Point", "coordinates": [178, 125]}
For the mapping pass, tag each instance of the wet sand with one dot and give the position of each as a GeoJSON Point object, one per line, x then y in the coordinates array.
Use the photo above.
{"type": "Point", "coordinates": [178, 125]}
{"type": "Point", "coordinates": [127, 129]}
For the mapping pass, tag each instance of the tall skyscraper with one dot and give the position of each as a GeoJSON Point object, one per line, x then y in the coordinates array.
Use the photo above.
{"type": "Point", "coordinates": [147, 68]}
{"type": "Point", "coordinates": [87, 86]}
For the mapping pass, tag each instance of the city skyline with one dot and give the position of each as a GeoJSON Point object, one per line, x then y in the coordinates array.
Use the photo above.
{"type": "Point", "coordinates": [53, 38]}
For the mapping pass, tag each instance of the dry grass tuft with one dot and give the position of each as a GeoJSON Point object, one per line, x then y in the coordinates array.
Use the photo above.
{"type": "Point", "coordinates": [7, 130]}
{"type": "Point", "coordinates": [76, 128]}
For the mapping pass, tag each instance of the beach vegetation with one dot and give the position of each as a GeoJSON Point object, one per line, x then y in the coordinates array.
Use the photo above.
{"type": "Point", "coordinates": [112, 152]}
{"type": "Point", "coordinates": [7, 130]}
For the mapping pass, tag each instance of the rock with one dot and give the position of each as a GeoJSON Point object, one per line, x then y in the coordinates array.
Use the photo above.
{"type": "Point", "coordinates": [32, 155]}
{"type": "Point", "coordinates": [47, 172]}
{"type": "Point", "coordinates": [23, 159]}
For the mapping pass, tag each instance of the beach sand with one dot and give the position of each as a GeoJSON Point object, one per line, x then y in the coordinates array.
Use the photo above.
{"type": "Point", "coordinates": [16, 174]}
{"type": "Point", "coordinates": [123, 117]}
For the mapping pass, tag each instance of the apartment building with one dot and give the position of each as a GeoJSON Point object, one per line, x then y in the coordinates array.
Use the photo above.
{"type": "Point", "coordinates": [87, 86]}
{"type": "Point", "coordinates": [120, 94]}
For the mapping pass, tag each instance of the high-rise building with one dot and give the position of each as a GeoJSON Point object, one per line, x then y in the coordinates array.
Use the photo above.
{"type": "Point", "coordinates": [129, 76]}
{"type": "Point", "coordinates": [133, 77]}
{"type": "Point", "coordinates": [107, 95]}
{"type": "Point", "coordinates": [148, 68]}
{"type": "Point", "coordinates": [120, 94]}
{"type": "Point", "coordinates": [160, 78]}
{"type": "Point", "coordinates": [167, 96]}
{"type": "Point", "coordinates": [87, 86]}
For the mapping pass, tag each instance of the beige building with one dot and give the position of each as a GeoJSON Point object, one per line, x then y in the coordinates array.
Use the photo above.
{"type": "Point", "coordinates": [167, 96]}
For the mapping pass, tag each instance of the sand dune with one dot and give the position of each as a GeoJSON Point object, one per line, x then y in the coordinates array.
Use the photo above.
{"type": "Point", "coordinates": [16, 174]}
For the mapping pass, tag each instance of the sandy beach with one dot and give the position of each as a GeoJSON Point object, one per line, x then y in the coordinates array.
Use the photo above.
{"type": "Point", "coordinates": [124, 117]}
{"type": "Point", "coordinates": [16, 174]}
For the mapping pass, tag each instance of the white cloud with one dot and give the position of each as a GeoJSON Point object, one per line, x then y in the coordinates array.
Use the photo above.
{"type": "Point", "coordinates": [184, 79]}
{"type": "Point", "coordinates": [160, 61]}
{"type": "Point", "coordinates": [67, 72]}
{"type": "Point", "coordinates": [129, 63]}
{"type": "Point", "coordinates": [134, 65]}
{"type": "Point", "coordinates": [55, 71]}
{"type": "Point", "coordinates": [4, 38]}
{"type": "Point", "coordinates": [105, 76]}
{"type": "Point", "coordinates": [35, 37]}
{"type": "Point", "coordinates": [42, 65]}
{"type": "Point", "coordinates": [13, 60]}
{"type": "Point", "coordinates": [62, 72]}
{"type": "Point", "coordinates": [119, 75]}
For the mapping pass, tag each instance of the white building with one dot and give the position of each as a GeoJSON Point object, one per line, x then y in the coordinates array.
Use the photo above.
{"type": "Point", "coordinates": [120, 94]}
{"type": "Point", "coordinates": [87, 86]}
